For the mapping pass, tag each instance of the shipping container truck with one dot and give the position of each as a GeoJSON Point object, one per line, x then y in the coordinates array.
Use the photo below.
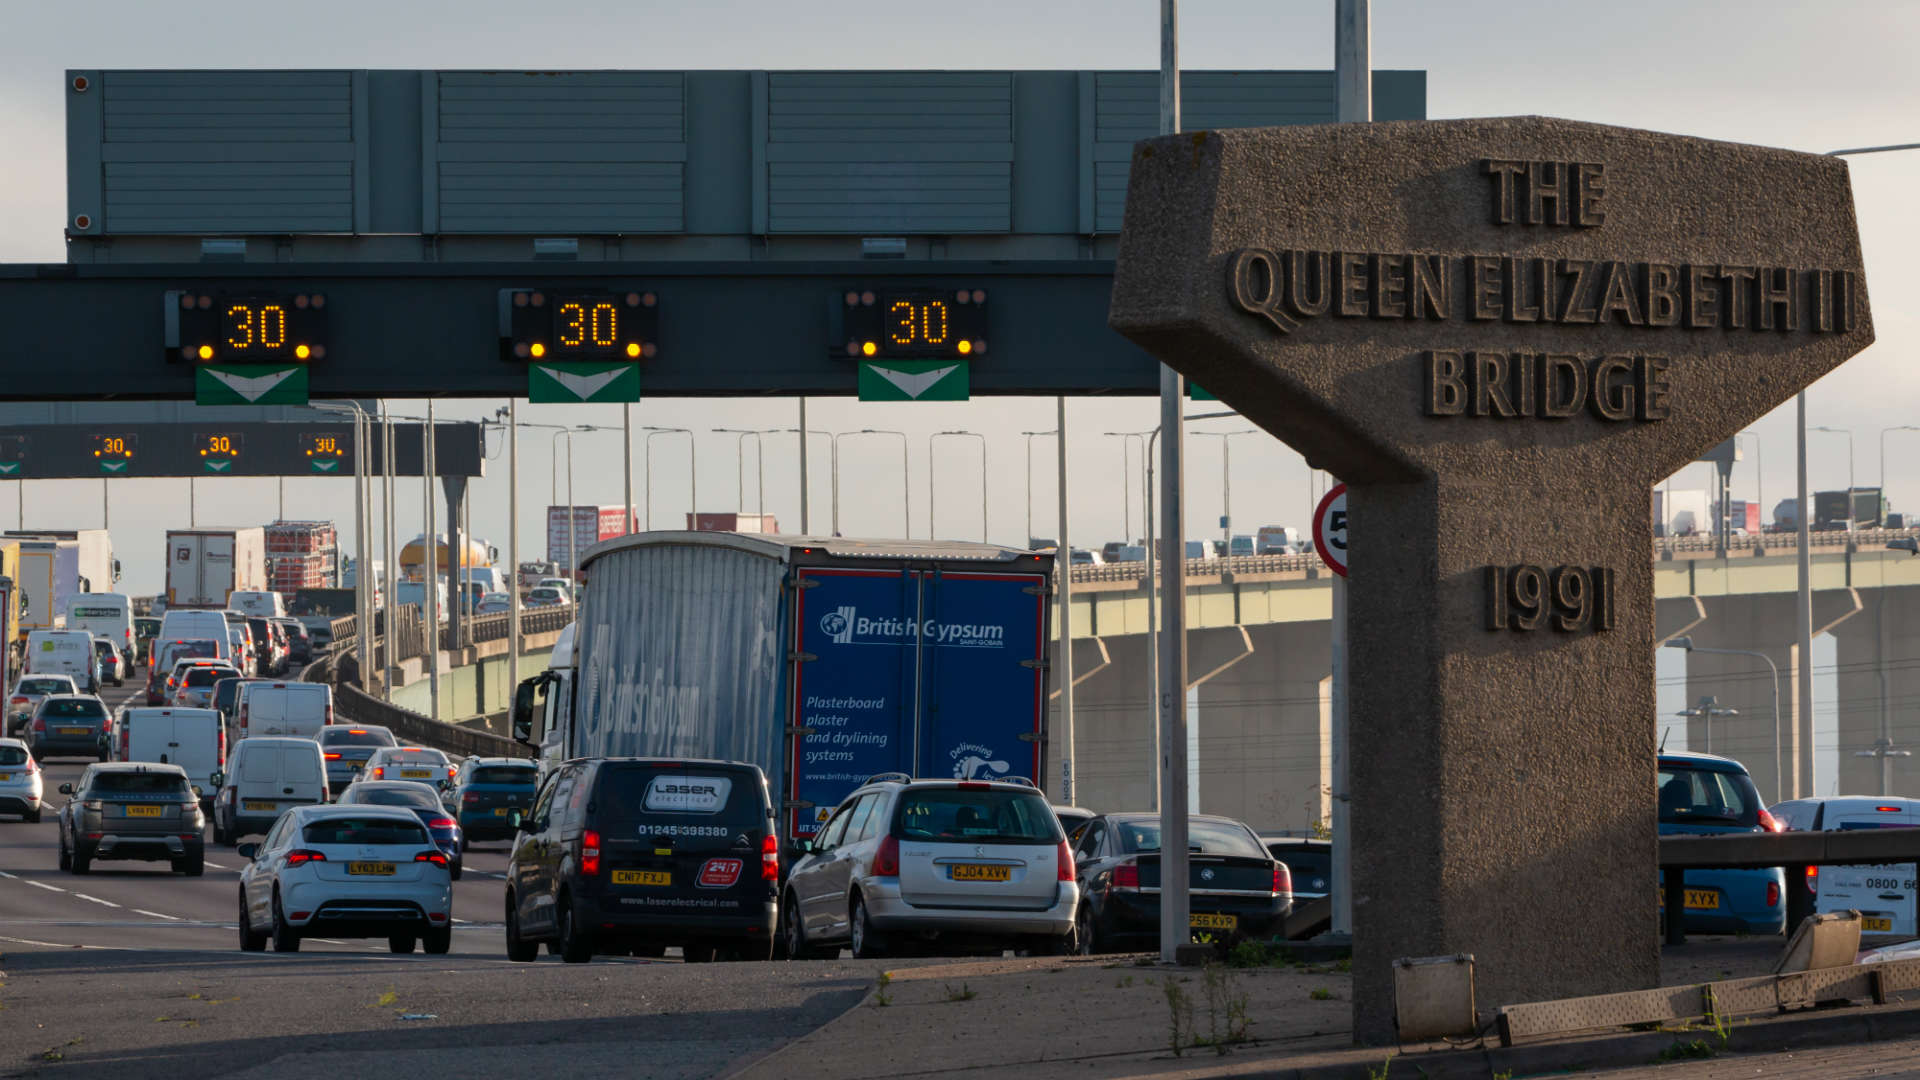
{"type": "Point", "coordinates": [1864, 507]}
{"type": "Point", "coordinates": [206, 566]}
{"type": "Point", "coordinates": [1744, 514]}
{"type": "Point", "coordinates": [823, 661]}
{"type": "Point", "coordinates": [591, 524]}
{"type": "Point", "coordinates": [49, 575]}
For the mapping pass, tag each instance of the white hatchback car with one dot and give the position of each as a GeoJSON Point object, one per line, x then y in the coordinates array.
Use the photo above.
{"type": "Point", "coordinates": [933, 862]}
{"type": "Point", "coordinates": [20, 781]}
{"type": "Point", "coordinates": [346, 871]}
{"type": "Point", "coordinates": [421, 763]}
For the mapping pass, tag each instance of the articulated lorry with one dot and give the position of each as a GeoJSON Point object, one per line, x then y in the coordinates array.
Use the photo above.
{"type": "Point", "coordinates": [207, 566]}
{"type": "Point", "coordinates": [823, 661]}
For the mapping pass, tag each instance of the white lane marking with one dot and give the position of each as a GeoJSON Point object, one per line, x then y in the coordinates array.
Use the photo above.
{"type": "Point", "coordinates": [64, 945]}
{"type": "Point", "coordinates": [95, 899]}
{"type": "Point", "coordinates": [217, 866]}
{"type": "Point", "coordinates": [43, 885]}
{"type": "Point", "coordinates": [10, 877]}
{"type": "Point", "coordinates": [156, 914]}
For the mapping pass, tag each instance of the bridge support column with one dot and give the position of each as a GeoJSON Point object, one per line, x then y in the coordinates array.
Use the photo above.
{"type": "Point", "coordinates": [1878, 690]}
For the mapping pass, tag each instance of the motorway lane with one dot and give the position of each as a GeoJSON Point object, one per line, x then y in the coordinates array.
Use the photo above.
{"type": "Point", "coordinates": [146, 906]}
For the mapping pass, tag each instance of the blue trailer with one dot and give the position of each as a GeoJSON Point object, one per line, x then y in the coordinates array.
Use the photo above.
{"type": "Point", "coordinates": [822, 660]}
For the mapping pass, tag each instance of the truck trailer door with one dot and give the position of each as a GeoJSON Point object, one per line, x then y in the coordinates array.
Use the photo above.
{"type": "Point", "coordinates": [853, 689]}
{"type": "Point", "coordinates": [983, 641]}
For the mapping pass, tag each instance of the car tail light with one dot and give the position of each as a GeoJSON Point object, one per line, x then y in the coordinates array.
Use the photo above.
{"type": "Point", "coordinates": [471, 796]}
{"type": "Point", "coordinates": [40, 724]}
{"type": "Point", "coordinates": [356, 731]}
{"type": "Point", "coordinates": [769, 858]}
{"type": "Point", "coordinates": [1282, 880]}
{"type": "Point", "coordinates": [379, 771]}
{"type": "Point", "coordinates": [1063, 862]}
{"type": "Point", "coordinates": [1773, 893]}
{"type": "Point", "coordinates": [91, 804]}
{"type": "Point", "coordinates": [301, 856]}
{"type": "Point", "coordinates": [332, 757]}
{"type": "Point", "coordinates": [440, 823]}
{"type": "Point", "coordinates": [1888, 809]}
{"type": "Point", "coordinates": [1813, 879]}
{"type": "Point", "coordinates": [437, 916]}
{"type": "Point", "coordinates": [590, 853]}
{"type": "Point", "coordinates": [19, 699]}
{"type": "Point", "coordinates": [437, 858]}
{"type": "Point", "coordinates": [1126, 876]}
{"type": "Point", "coordinates": [886, 858]}
{"type": "Point", "coordinates": [329, 719]}
{"type": "Point", "coordinates": [1769, 823]}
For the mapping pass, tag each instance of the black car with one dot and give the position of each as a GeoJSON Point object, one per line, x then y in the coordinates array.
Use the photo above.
{"type": "Point", "coordinates": [425, 804]}
{"type": "Point", "coordinates": [1238, 891]}
{"type": "Point", "coordinates": [299, 647]}
{"type": "Point", "coordinates": [1310, 861]}
{"type": "Point", "coordinates": [631, 855]}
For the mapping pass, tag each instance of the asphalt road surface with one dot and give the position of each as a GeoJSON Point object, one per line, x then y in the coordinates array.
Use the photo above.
{"type": "Point", "coordinates": [134, 971]}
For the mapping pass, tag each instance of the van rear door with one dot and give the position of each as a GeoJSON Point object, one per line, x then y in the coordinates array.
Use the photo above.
{"type": "Point", "coordinates": [1883, 894]}
{"type": "Point", "coordinates": [682, 839]}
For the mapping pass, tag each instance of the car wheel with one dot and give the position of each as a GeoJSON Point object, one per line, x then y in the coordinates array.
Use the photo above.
{"type": "Point", "coordinates": [867, 944]}
{"type": "Point", "coordinates": [81, 863]}
{"type": "Point", "coordinates": [519, 950]}
{"type": "Point", "coordinates": [400, 943]}
{"type": "Point", "coordinates": [1086, 935]}
{"type": "Point", "coordinates": [576, 947]}
{"type": "Point", "coordinates": [454, 871]}
{"type": "Point", "coordinates": [31, 817]}
{"type": "Point", "coordinates": [250, 940]}
{"type": "Point", "coordinates": [66, 858]}
{"type": "Point", "coordinates": [285, 938]}
{"type": "Point", "coordinates": [795, 935]}
{"type": "Point", "coordinates": [438, 942]}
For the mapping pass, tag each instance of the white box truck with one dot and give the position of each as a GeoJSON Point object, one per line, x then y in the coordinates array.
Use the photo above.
{"type": "Point", "coordinates": [206, 566]}
{"type": "Point", "coordinates": [49, 575]}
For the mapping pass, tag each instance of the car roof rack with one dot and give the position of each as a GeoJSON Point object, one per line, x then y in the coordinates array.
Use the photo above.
{"type": "Point", "coordinates": [1021, 780]}
{"type": "Point", "coordinates": [888, 778]}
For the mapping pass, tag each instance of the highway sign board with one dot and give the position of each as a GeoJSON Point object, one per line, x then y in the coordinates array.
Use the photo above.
{"type": "Point", "coordinates": [1330, 529]}
{"type": "Point", "coordinates": [250, 384]}
{"type": "Point", "coordinates": [914, 380]}
{"type": "Point", "coordinates": [568, 382]}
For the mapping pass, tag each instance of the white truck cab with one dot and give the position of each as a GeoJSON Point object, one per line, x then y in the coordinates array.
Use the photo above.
{"type": "Point", "coordinates": [543, 706]}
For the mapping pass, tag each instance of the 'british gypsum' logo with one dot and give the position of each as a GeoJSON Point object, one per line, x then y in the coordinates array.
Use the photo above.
{"type": "Point", "coordinates": [844, 625]}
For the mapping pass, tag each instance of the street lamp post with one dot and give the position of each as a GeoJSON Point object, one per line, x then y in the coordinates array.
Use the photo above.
{"type": "Point", "coordinates": [804, 435]}
{"type": "Point", "coordinates": [693, 490]}
{"type": "Point", "coordinates": [1030, 435]}
{"type": "Point", "coordinates": [1685, 642]}
{"type": "Point", "coordinates": [1708, 708]}
{"type": "Point", "coordinates": [983, 477]}
{"type": "Point", "coordinates": [363, 583]}
{"type": "Point", "coordinates": [740, 466]}
{"type": "Point", "coordinates": [1883, 451]}
{"type": "Point", "coordinates": [1226, 480]}
{"type": "Point", "coordinates": [1848, 432]}
{"type": "Point", "coordinates": [1126, 479]}
{"type": "Point", "coordinates": [906, 489]}
{"type": "Point", "coordinates": [567, 433]}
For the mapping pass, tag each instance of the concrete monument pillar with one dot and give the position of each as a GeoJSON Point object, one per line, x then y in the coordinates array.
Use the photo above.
{"type": "Point", "coordinates": [1500, 334]}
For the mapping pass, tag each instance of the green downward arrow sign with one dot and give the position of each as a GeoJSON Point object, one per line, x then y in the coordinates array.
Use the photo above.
{"type": "Point", "coordinates": [914, 380]}
{"type": "Point", "coordinates": [8, 468]}
{"type": "Point", "coordinates": [113, 466]}
{"type": "Point", "coordinates": [326, 466]}
{"type": "Point", "coordinates": [250, 384]}
{"type": "Point", "coordinates": [219, 465]}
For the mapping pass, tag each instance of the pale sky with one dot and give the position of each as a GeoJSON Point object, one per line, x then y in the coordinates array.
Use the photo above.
{"type": "Point", "coordinates": [1808, 76]}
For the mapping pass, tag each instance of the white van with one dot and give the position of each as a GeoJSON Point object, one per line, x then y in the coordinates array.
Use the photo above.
{"type": "Point", "coordinates": [264, 777]}
{"type": "Point", "coordinates": [192, 624]}
{"type": "Point", "coordinates": [260, 605]}
{"type": "Point", "coordinates": [190, 738]}
{"type": "Point", "coordinates": [63, 652]}
{"type": "Point", "coordinates": [1884, 894]}
{"type": "Point", "coordinates": [282, 708]}
{"type": "Point", "coordinates": [107, 615]}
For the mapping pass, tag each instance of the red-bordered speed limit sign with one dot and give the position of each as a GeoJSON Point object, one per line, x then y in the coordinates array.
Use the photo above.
{"type": "Point", "coordinates": [1330, 529]}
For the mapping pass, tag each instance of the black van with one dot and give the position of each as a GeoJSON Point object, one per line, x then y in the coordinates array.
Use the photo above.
{"type": "Point", "coordinates": [624, 855]}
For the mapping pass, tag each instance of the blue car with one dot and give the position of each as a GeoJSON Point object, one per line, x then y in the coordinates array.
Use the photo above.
{"type": "Point", "coordinates": [1702, 793]}
{"type": "Point", "coordinates": [489, 791]}
{"type": "Point", "coordinates": [425, 804]}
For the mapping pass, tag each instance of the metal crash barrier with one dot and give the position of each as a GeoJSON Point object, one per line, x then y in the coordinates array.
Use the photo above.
{"type": "Point", "coordinates": [1755, 851]}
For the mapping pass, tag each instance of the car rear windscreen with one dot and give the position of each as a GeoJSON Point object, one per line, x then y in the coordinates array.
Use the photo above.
{"type": "Point", "coordinates": [680, 802]}
{"type": "Point", "coordinates": [82, 707]}
{"type": "Point", "coordinates": [119, 783]}
{"type": "Point", "coordinates": [207, 676]}
{"type": "Point", "coordinates": [1306, 864]}
{"type": "Point", "coordinates": [13, 755]}
{"type": "Point", "coordinates": [364, 830]}
{"type": "Point", "coordinates": [1207, 837]}
{"type": "Point", "coordinates": [385, 796]}
{"type": "Point", "coordinates": [46, 686]}
{"type": "Point", "coordinates": [341, 736]}
{"type": "Point", "coordinates": [1690, 796]}
{"type": "Point", "coordinates": [502, 774]}
{"type": "Point", "coordinates": [990, 816]}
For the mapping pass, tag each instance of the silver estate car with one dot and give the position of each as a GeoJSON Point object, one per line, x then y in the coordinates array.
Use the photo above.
{"type": "Point", "coordinates": [940, 864]}
{"type": "Point", "coordinates": [20, 781]}
{"type": "Point", "coordinates": [132, 810]}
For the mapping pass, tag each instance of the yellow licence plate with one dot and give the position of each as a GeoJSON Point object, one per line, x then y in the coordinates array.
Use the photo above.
{"type": "Point", "coordinates": [502, 811]}
{"type": "Point", "coordinates": [1212, 922]}
{"type": "Point", "coordinates": [75, 731]}
{"type": "Point", "coordinates": [642, 877]}
{"type": "Point", "coordinates": [384, 869]}
{"type": "Point", "coordinates": [980, 872]}
{"type": "Point", "coordinates": [415, 774]}
{"type": "Point", "coordinates": [259, 806]}
{"type": "Point", "coordinates": [5, 776]}
{"type": "Point", "coordinates": [1872, 925]}
{"type": "Point", "coordinates": [1697, 899]}
{"type": "Point", "coordinates": [143, 811]}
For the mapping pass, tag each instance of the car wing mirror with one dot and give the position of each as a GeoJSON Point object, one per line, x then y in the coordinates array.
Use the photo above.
{"type": "Point", "coordinates": [66, 789]}
{"type": "Point", "coordinates": [247, 851]}
{"type": "Point", "coordinates": [520, 821]}
{"type": "Point", "coordinates": [218, 779]}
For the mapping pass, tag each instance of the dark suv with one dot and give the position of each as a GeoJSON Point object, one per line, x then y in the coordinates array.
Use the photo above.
{"type": "Point", "coordinates": [632, 855]}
